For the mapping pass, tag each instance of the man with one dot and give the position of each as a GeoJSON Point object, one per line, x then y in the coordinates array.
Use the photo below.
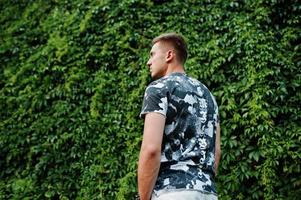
{"type": "Point", "coordinates": [180, 150]}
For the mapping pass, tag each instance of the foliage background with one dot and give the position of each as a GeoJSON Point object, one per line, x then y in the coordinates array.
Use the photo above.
{"type": "Point", "coordinates": [73, 74]}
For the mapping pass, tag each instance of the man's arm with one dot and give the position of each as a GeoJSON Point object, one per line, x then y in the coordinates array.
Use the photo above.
{"type": "Point", "coordinates": [150, 153]}
{"type": "Point", "coordinates": [217, 148]}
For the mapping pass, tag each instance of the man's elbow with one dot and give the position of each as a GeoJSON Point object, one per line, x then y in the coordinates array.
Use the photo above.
{"type": "Point", "coordinates": [151, 151]}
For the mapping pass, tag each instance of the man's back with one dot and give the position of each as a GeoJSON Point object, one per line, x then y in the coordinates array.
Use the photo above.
{"type": "Point", "coordinates": [187, 156]}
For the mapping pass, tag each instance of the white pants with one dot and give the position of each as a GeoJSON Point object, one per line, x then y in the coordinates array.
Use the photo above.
{"type": "Point", "coordinates": [184, 195]}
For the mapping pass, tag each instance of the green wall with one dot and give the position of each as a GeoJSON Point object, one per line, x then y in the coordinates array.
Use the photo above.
{"type": "Point", "coordinates": [73, 74]}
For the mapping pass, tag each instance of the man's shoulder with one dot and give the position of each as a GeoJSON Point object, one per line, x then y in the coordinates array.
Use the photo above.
{"type": "Point", "coordinates": [157, 84]}
{"type": "Point", "coordinates": [194, 81]}
{"type": "Point", "coordinates": [164, 82]}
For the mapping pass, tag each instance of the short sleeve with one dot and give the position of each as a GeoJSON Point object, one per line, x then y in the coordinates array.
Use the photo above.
{"type": "Point", "coordinates": [155, 100]}
{"type": "Point", "coordinates": [216, 112]}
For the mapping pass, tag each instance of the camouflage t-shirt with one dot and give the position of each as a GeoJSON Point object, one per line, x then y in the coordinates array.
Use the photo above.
{"type": "Point", "coordinates": [187, 157]}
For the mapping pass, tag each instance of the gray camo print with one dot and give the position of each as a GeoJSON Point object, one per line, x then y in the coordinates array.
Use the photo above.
{"type": "Point", "coordinates": [187, 157]}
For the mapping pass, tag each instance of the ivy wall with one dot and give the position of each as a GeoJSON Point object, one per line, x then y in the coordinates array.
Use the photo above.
{"type": "Point", "coordinates": [73, 74]}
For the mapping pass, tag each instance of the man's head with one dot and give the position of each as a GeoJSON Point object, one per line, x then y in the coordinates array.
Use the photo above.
{"type": "Point", "coordinates": [175, 41]}
{"type": "Point", "coordinates": [168, 49]}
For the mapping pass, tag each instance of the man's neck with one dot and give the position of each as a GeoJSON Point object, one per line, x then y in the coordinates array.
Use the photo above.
{"type": "Point", "coordinates": [175, 69]}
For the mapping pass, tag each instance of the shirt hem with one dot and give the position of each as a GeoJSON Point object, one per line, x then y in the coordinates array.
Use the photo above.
{"type": "Point", "coordinates": [142, 115]}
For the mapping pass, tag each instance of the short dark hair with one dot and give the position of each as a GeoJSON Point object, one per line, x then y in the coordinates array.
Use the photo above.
{"type": "Point", "coordinates": [177, 41]}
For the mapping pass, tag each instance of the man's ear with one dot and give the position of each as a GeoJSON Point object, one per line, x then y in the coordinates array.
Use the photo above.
{"type": "Point", "coordinates": [170, 55]}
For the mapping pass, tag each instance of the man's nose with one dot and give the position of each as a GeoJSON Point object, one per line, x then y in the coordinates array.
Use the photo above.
{"type": "Point", "coordinates": [148, 63]}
